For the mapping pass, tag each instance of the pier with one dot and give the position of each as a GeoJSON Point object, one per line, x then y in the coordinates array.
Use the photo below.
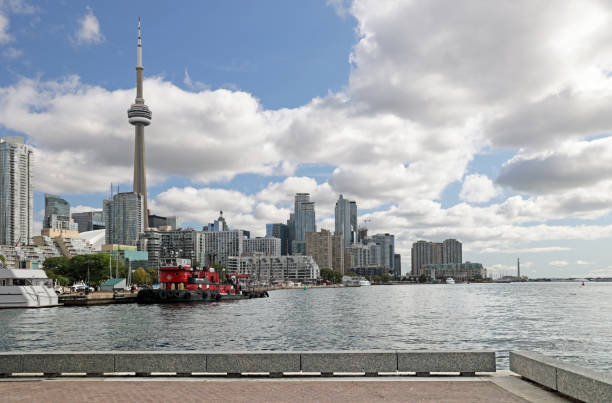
{"type": "Point", "coordinates": [303, 375]}
{"type": "Point", "coordinates": [97, 298]}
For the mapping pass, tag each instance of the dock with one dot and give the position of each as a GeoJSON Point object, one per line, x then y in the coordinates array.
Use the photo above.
{"type": "Point", "coordinates": [97, 298]}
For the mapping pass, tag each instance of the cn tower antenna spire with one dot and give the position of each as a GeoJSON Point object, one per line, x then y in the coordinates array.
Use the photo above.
{"type": "Point", "coordinates": [139, 115]}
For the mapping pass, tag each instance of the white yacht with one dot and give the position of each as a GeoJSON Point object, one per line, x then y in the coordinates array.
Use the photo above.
{"type": "Point", "coordinates": [364, 282]}
{"type": "Point", "coordinates": [450, 280]}
{"type": "Point", "coordinates": [26, 288]}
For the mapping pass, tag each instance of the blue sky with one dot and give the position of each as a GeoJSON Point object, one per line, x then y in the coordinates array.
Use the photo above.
{"type": "Point", "coordinates": [442, 120]}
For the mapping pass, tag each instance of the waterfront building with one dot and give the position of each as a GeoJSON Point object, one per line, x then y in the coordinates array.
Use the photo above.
{"type": "Point", "coordinates": [27, 256]}
{"type": "Point", "coordinates": [218, 225]}
{"type": "Point", "coordinates": [398, 264]}
{"type": "Point", "coordinates": [124, 218]}
{"type": "Point", "coordinates": [304, 221]}
{"type": "Point", "coordinates": [275, 268]}
{"type": "Point", "coordinates": [458, 271]}
{"type": "Point", "coordinates": [338, 252]}
{"type": "Point", "coordinates": [421, 254]}
{"type": "Point", "coordinates": [452, 252]}
{"type": "Point", "coordinates": [150, 241]}
{"type": "Point", "coordinates": [139, 115]}
{"type": "Point", "coordinates": [346, 220]}
{"type": "Point", "coordinates": [57, 214]}
{"type": "Point", "coordinates": [387, 245]}
{"type": "Point", "coordinates": [280, 231]}
{"type": "Point", "coordinates": [268, 246]}
{"type": "Point", "coordinates": [16, 192]}
{"type": "Point", "coordinates": [437, 253]}
{"type": "Point", "coordinates": [217, 247]}
{"type": "Point", "coordinates": [291, 230]}
{"type": "Point", "coordinates": [89, 220]}
{"type": "Point", "coordinates": [319, 246]}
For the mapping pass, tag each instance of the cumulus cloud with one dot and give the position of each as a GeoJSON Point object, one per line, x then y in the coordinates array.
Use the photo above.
{"type": "Point", "coordinates": [88, 30]}
{"type": "Point", "coordinates": [526, 250]}
{"type": "Point", "coordinates": [477, 189]}
{"type": "Point", "coordinates": [5, 36]}
{"type": "Point", "coordinates": [558, 263]}
{"type": "Point", "coordinates": [11, 53]}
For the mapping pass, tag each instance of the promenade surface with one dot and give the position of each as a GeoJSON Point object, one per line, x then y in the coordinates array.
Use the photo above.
{"type": "Point", "coordinates": [499, 388]}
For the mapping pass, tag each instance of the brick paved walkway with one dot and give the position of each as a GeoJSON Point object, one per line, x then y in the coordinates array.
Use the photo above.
{"type": "Point", "coordinates": [66, 391]}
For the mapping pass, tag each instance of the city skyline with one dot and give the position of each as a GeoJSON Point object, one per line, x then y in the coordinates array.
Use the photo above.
{"type": "Point", "coordinates": [482, 161]}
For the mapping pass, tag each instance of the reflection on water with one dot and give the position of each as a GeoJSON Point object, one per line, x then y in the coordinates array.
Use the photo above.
{"type": "Point", "coordinates": [563, 320]}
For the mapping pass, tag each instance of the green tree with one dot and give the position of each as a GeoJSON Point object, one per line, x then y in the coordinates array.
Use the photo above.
{"type": "Point", "coordinates": [2, 260]}
{"type": "Point", "coordinates": [351, 274]}
{"type": "Point", "coordinates": [140, 276]}
{"type": "Point", "coordinates": [385, 278]}
{"type": "Point", "coordinates": [331, 275]}
{"type": "Point", "coordinates": [152, 272]}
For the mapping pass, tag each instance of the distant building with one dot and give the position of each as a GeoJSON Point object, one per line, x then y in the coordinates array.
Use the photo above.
{"type": "Point", "coordinates": [280, 231]}
{"type": "Point", "coordinates": [16, 192]}
{"type": "Point", "coordinates": [452, 251]}
{"type": "Point", "coordinates": [338, 252]}
{"type": "Point", "coordinates": [57, 214]}
{"type": "Point", "coordinates": [346, 220]}
{"type": "Point", "coordinates": [124, 218]}
{"type": "Point", "coordinates": [398, 264]}
{"type": "Point", "coordinates": [387, 246]}
{"type": "Point", "coordinates": [156, 221]}
{"type": "Point", "coordinates": [275, 268]}
{"type": "Point", "coordinates": [319, 246]}
{"type": "Point", "coordinates": [304, 221]}
{"type": "Point", "coordinates": [217, 247]}
{"type": "Point", "coordinates": [268, 246]}
{"type": "Point", "coordinates": [218, 225]}
{"type": "Point", "coordinates": [458, 271]}
{"type": "Point", "coordinates": [89, 221]}
{"type": "Point", "coordinates": [424, 252]}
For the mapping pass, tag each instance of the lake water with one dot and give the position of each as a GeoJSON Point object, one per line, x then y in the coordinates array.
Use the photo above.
{"type": "Point", "coordinates": [563, 320]}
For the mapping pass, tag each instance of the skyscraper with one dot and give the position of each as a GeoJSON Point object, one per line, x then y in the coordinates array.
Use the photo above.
{"type": "Point", "coordinates": [124, 218]}
{"type": "Point", "coordinates": [139, 115]}
{"type": "Point", "coordinates": [16, 192]}
{"type": "Point", "coordinates": [57, 214]}
{"type": "Point", "coordinates": [346, 220]}
{"type": "Point", "coordinates": [452, 251]}
{"type": "Point", "coordinates": [304, 221]}
{"type": "Point", "coordinates": [280, 231]}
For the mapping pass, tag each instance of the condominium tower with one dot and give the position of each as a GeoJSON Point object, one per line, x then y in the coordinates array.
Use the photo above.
{"type": "Point", "coordinates": [346, 220]}
{"type": "Point", "coordinates": [16, 192]}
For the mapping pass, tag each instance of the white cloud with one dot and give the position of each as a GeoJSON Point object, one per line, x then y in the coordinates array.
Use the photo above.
{"type": "Point", "coordinates": [11, 53]}
{"type": "Point", "coordinates": [83, 209]}
{"type": "Point", "coordinates": [5, 36]}
{"type": "Point", "coordinates": [546, 249]}
{"type": "Point", "coordinates": [88, 30]}
{"type": "Point", "coordinates": [477, 189]}
{"type": "Point", "coordinates": [194, 85]}
{"type": "Point", "coordinates": [558, 263]}
{"type": "Point", "coordinates": [582, 262]}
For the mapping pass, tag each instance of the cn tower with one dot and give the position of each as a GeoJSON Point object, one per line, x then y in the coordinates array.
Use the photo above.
{"type": "Point", "coordinates": [140, 116]}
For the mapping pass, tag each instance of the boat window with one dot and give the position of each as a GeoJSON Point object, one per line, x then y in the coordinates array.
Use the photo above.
{"type": "Point", "coordinates": [19, 281]}
{"type": "Point", "coordinates": [2, 282]}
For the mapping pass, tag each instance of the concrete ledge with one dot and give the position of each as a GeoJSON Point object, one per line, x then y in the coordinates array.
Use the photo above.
{"type": "Point", "coordinates": [446, 361]}
{"type": "Point", "coordinates": [241, 362]}
{"type": "Point", "coordinates": [57, 362]}
{"type": "Point", "coordinates": [145, 362]}
{"type": "Point", "coordinates": [349, 361]}
{"type": "Point", "coordinates": [184, 363]}
{"type": "Point", "coordinates": [571, 380]}
{"type": "Point", "coordinates": [10, 363]}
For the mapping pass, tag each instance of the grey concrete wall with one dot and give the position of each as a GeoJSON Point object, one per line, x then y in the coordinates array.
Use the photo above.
{"type": "Point", "coordinates": [571, 380]}
{"type": "Point", "coordinates": [187, 362]}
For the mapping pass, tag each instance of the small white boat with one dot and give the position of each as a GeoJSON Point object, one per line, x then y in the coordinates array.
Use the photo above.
{"type": "Point", "coordinates": [450, 280]}
{"type": "Point", "coordinates": [26, 288]}
{"type": "Point", "coordinates": [364, 282]}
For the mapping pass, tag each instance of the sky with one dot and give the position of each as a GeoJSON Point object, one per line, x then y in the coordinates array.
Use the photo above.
{"type": "Point", "coordinates": [488, 122]}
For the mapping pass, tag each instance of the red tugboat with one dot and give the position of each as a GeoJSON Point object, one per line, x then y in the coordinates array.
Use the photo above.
{"type": "Point", "coordinates": [181, 283]}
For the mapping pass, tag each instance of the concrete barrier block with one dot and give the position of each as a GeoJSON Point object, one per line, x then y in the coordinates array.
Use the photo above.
{"type": "Point", "coordinates": [535, 367]}
{"type": "Point", "coordinates": [584, 384]}
{"type": "Point", "coordinates": [183, 362]}
{"type": "Point", "coordinates": [10, 363]}
{"type": "Point", "coordinates": [347, 361]}
{"type": "Point", "coordinates": [240, 362]}
{"type": "Point", "coordinates": [58, 362]}
{"type": "Point", "coordinates": [446, 361]}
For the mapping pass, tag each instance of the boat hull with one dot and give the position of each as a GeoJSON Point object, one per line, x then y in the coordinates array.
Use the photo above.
{"type": "Point", "coordinates": [27, 297]}
{"type": "Point", "coordinates": [189, 296]}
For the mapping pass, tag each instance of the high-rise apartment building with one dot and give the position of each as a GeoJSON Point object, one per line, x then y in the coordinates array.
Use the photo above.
{"type": "Point", "coordinates": [452, 251]}
{"type": "Point", "coordinates": [268, 246]}
{"type": "Point", "coordinates": [16, 192]}
{"type": "Point", "coordinates": [217, 247]}
{"type": "Point", "coordinates": [280, 231]}
{"type": "Point", "coordinates": [319, 245]}
{"type": "Point", "coordinates": [387, 246]}
{"type": "Point", "coordinates": [338, 252]}
{"type": "Point", "coordinates": [124, 218]}
{"type": "Point", "coordinates": [421, 254]}
{"type": "Point", "coordinates": [398, 264]}
{"type": "Point", "coordinates": [346, 220]}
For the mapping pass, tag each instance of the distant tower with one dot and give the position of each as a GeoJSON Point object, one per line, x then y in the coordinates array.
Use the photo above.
{"type": "Point", "coordinates": [140, 116]}
{"type": "Point", "coordinates": [518, 267]}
